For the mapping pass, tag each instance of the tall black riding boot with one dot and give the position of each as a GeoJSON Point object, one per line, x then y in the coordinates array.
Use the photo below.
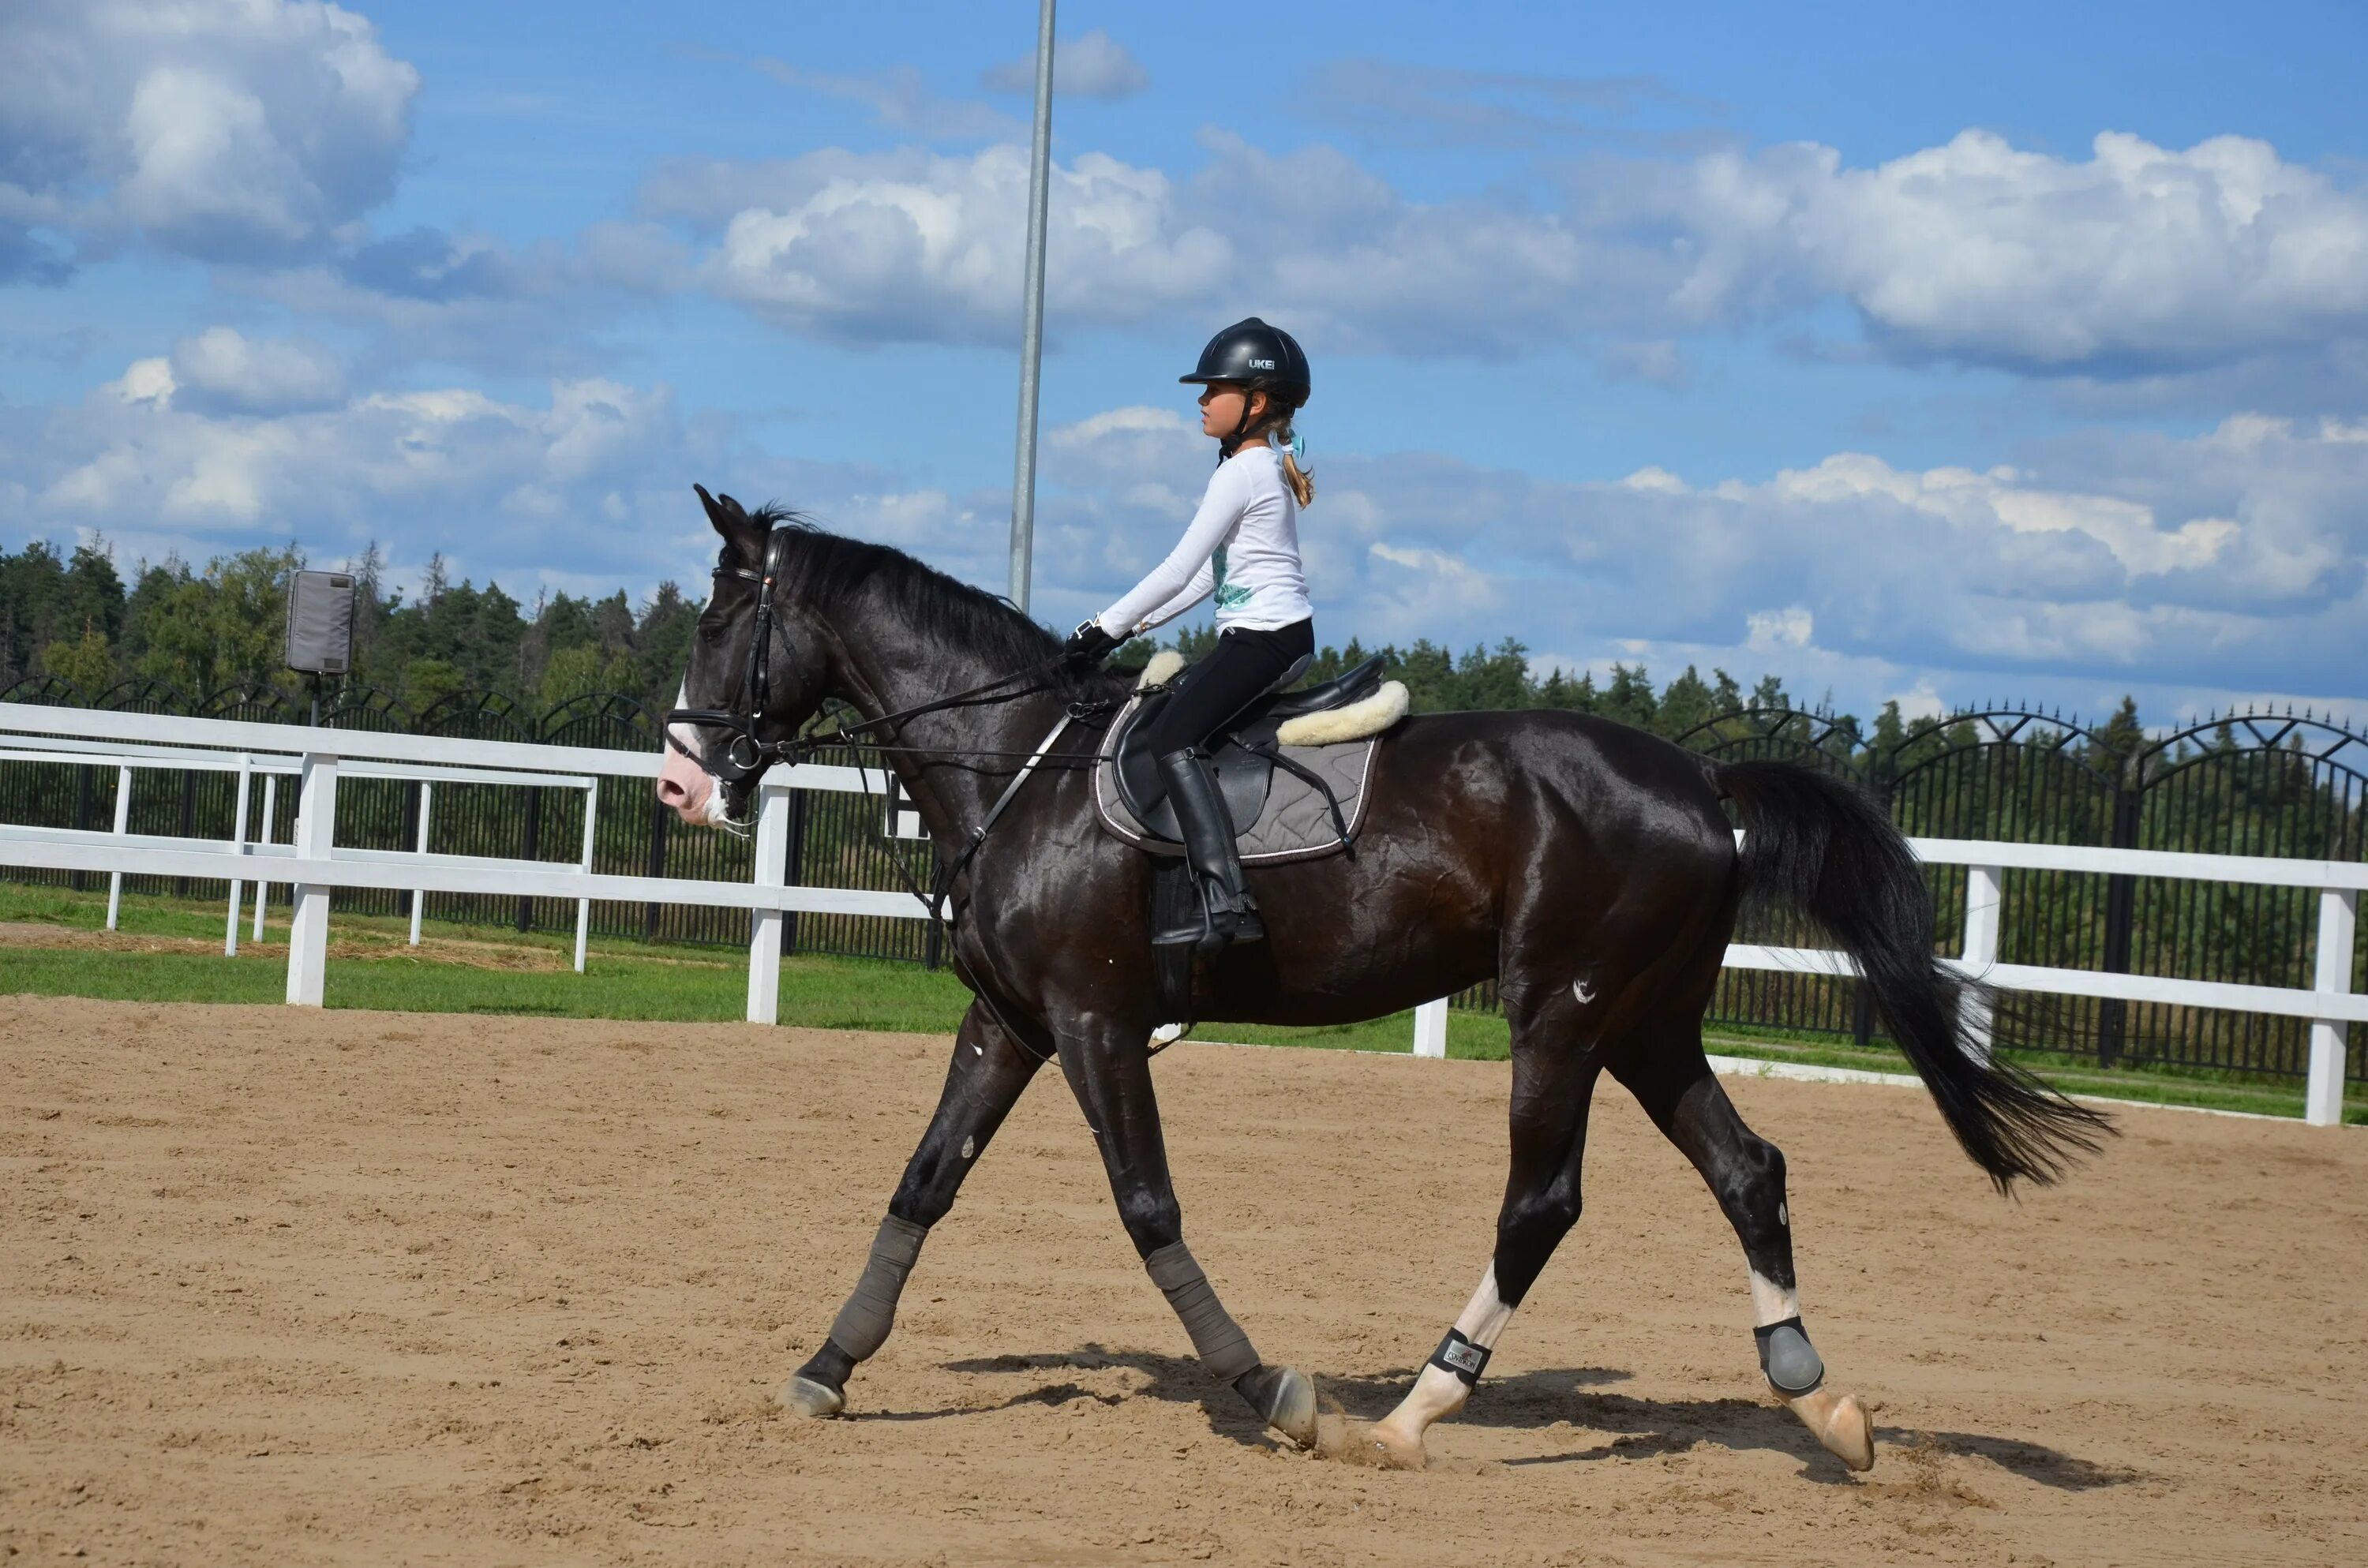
{"type": "Point", "coordinates": [1228, 911]}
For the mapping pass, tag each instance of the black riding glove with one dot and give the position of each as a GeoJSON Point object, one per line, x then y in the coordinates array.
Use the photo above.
{"type": "Point", "coordinates": [1088, 645]}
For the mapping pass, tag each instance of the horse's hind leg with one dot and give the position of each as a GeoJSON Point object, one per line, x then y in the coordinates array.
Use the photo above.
{"type": "Point", "coordinates": [1554, 1079]}
{"type": "Point", "coordinates": [989, 1070]}
{"type": "Point", "coordinates": [1673, 1082]}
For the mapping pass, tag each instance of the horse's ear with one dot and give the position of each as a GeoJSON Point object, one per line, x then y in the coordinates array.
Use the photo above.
{"type": "Point", "coordinates": [728, 517]}
{"type": "Point", "coordinates": [719, 513]}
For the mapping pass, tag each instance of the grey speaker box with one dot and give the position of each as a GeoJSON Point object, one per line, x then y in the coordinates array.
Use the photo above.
{"type": "Point", "coordinates": [321, 622]}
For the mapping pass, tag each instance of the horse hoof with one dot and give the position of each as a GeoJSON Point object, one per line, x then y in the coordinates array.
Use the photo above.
{"type": "Point", "coordinates": [1285, 1400]}
{"type": "Point", "coordinates": [804, 1396]}
{"type": "Point", "coordinates": [1840, 1423]}
{"type": "Point", "coordinates": [1294, 1411]}
{"type": "Point", "coordinates": [1391, 1450]}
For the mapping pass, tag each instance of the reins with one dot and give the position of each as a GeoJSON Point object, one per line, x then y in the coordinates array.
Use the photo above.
{"type": "Point", "coordinates": [747, 756]}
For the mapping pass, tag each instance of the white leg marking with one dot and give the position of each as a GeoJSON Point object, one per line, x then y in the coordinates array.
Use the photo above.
{"type": "Point", "coordinates": [1771, 1302]}
{"type": "Point", "coordinates": [1437, 1394]}
{"type": "Point", "coordinates": [1582, 991]}
{"type": "Point", "coordinates": [970, 1148]}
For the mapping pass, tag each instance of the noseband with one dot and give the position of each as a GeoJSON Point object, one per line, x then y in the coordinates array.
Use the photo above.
{"type": "Point", "coordinates": [744, 756]}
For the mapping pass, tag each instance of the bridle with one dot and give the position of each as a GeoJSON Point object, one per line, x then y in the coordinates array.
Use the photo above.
{"type": "Point", "coordinates": [747, 756]}
{"type": "Point", "coordinates": [744, 756]}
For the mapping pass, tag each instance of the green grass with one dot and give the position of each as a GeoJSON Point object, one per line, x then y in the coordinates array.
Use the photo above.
{"type": "Point", "coordinates": [632, 979]}
{"type": "Point", "coordinates": [623, 979]}
{"type": "Point", "coordinates": [820, 991]}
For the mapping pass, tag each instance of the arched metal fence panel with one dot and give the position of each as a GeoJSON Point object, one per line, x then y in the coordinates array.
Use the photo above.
{"type": "Point", "coordinates": [144, 694]}
{"type": "Point", "coordinates": [51, 691]}
{"type": "Point", "coordinates": [2248, 784]}
{"type": "Point", "coordinates": [1764, 999]}
{"type": "Point", "coordinates": [2017, 777]}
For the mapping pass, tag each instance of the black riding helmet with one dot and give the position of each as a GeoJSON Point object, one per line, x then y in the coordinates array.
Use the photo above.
{"type": "Point", "coordinates": [1251, 354]}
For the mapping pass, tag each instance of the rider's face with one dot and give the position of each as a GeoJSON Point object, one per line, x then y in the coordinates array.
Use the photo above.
{"type": "Point", "coordinates": [1221, 408]}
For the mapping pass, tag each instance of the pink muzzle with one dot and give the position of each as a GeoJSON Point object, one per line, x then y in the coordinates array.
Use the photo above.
{"type": "Point", "coordinates": [686, 785]}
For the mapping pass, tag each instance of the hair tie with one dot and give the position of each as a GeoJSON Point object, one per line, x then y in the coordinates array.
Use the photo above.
{"type": "Point", "coordinates": [1298, 448]}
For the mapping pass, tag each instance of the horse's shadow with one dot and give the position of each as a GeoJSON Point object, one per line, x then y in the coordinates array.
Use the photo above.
{"type": "Point", "coordinates": [1532, 1401]}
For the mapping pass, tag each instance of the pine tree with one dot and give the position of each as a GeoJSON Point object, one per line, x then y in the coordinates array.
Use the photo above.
{"type": "Point", "coordinates": [1686, 705]}
{"type": "Point", "coordinates": [1629, 698]}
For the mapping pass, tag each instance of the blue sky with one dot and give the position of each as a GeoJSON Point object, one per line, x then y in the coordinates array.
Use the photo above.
{"type": "Point", "coordinates": [2019, 352]}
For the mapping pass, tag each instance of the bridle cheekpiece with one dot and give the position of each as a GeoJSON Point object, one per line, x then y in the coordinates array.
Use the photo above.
{"type": "Point", "coordinates": [745, 758]}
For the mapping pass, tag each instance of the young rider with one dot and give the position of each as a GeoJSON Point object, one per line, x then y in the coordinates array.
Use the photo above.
{"type": "Point", "coordinates": [1242, 546]}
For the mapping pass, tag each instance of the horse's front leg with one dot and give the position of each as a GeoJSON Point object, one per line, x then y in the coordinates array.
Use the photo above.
{"type": "Point", "coordinates": [1109, 1068]}
{"type": "Point", "coordinates": [989, 1070]}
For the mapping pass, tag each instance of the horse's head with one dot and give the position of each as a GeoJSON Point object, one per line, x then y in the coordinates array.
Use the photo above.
{"type": "Point", "coordinates": [757, 666]}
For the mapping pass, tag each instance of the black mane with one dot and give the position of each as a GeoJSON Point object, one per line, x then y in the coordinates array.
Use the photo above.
{"type": "Point", "coordinates": [833, 572]}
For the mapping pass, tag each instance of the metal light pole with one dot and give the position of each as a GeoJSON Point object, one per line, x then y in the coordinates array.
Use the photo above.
{"type": "Point", "coordinates": [1031, 350]}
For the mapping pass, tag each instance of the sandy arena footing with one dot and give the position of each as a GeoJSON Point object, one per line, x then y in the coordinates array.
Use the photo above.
{"type": "Point", "coordinates": [286, 1286]}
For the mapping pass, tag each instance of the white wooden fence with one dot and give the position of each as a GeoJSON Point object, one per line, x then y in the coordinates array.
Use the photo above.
{"type": "Point", "coordinates": [313, 865]}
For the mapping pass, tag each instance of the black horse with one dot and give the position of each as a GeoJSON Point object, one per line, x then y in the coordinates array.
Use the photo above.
{"type": "Point", "coordinates": [1590, 870]}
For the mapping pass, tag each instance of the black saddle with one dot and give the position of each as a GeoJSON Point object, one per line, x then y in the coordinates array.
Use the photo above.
{"type": "Point", "coordinates": [1239, 754]}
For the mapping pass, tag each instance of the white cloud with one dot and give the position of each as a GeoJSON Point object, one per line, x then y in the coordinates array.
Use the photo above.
{"type": "Point", "coordinates": [226, 129]}
{"type": "Point", "coordinates": [1922, 700]}
{"type": "Point", "coordinates": [909, 245]}
{"type": "Point", "coordinates": [1092, 65]}
{"type": "Point", "coordinates": [2137, 264]}
{"type": "Point", "coordinates": [1133, 417]}
{"type": "Point", "coordinates": [223, 369]}
{"type": "Point", "coordinates": [455, 467]}
{"type": "Point", "coordinates": [2138, 257]}
{"type": "Point", "coordinates": [1770, 630]}
{"type": "Point", "coordinates": [590, 483]}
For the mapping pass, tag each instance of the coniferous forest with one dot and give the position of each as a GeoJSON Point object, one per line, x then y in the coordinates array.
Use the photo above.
{"type": "Point", "coordinates": [203, 631]}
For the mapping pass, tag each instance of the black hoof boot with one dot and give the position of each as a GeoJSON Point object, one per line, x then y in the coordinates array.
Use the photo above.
{"type": "Point", "coordinates": [1228, 913]}
{"type": "Point", "coordinates": [1283, 1398]}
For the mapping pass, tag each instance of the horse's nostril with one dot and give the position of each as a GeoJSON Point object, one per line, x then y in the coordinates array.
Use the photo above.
{"type": "Point", "coordinates": [672, 793]}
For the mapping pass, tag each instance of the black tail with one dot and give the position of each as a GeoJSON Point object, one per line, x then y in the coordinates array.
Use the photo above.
{"type": "Point", "coordinates": [1823, 846]}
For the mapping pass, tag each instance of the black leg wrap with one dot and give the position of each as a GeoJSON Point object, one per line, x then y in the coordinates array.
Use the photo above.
{"type": "Point", "coordinates": [1217, 1339]}
{"type": "Point", "coordinates": [1460, 1356]}
{"type": "Point", "coordinates": [863, 1325]}
{"type": "Point", "coordinates": [1791, 1362]}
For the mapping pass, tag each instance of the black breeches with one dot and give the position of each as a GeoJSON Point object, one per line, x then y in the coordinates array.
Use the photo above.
{"type": "Point", "coordinates": [1244, 667]}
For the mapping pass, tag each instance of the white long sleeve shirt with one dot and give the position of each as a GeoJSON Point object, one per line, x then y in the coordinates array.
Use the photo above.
{"type": "Point", "coordinates": [1242, 546]}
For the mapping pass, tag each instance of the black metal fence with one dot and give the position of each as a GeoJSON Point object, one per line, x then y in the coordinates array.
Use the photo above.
{"type": "Point", "coordinates": [2244, 784]}
{"type": "Point", "coordinates": [2249, 783]}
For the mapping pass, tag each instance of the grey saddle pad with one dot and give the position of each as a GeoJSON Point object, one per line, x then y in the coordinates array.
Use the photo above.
{"type": "Point", "coordinates": [1293, 821]}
